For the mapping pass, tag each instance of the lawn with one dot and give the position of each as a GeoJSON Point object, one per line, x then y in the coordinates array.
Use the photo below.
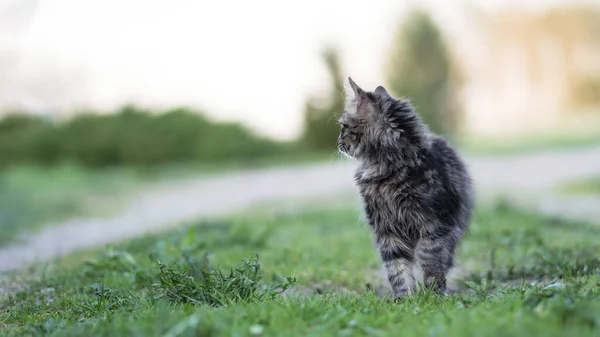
{"type": "Point", "coordinates": [523, 144]}
{"type": "Point", "coordinates": [31, 196]}
{"type": "Point", "coordinates": [586, 186]}
{"type": "Point", "coordinates": [519, 274]}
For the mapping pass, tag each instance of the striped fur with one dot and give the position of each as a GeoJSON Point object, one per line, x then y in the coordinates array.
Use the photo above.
{"type": "Point", "coordinates": [417, 193]}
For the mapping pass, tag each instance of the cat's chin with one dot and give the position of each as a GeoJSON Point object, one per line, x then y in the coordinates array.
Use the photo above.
{"type": "Point", "coordinates": [347, 155]}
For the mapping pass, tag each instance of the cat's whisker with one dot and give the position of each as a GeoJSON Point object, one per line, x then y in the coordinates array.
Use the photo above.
{"type": "Point", "coordinates": [345, 157]}
{"type": "Point", "coordinates": [335, 115]}
{"type": "Point", "coordinates": [334, 154]}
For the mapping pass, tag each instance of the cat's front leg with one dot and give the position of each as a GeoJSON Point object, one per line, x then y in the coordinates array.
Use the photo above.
{"type": "Point", "coordinates": [398, 259]}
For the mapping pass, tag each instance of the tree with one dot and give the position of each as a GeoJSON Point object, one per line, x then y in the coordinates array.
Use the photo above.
{"type": "Point", "coordinates": [320, 127]}
{"type": "Point", "coordinates": [420, 70]}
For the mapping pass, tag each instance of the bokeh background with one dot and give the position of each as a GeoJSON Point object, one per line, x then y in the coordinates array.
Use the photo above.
{"type": "Point", "coordinates": [102, 98]}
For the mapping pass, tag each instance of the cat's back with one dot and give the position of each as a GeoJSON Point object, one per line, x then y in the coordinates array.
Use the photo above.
{"type": "Point", "coordinates": [445, 154]}
{"type": "Point", "coordinates": [454, 168]}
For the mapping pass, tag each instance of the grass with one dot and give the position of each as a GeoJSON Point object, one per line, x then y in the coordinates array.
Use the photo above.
{"type": "Point", "coordinates": [583, 186]}
{"type": "Point", "coordinates": [529, 143]}
{"type": "Point", "coordinates": [31, 197]}
{"type": "Point", "coordinates": [520, 275]}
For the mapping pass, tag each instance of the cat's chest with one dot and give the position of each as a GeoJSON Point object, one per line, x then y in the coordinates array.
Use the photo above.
{"type": "Point", "coordinates": [398, 191]}
{"type": "Point", "coordinates": [396, 203]}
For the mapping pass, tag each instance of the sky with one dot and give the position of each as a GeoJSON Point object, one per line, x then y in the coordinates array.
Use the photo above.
{"type": "Point", "coordinates": [253, 61]}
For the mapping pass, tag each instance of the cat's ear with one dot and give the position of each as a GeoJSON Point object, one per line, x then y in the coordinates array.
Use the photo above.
{"type": "Point", "coordinates": [354, 94]}
{"type": "Point", "coordinates": [351, 89]}
{"type": "Point", "coordinates": [380, 91]}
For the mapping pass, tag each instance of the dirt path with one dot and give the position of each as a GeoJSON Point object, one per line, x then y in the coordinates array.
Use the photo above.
{"type": "Point", "coordinates": [526, 175]}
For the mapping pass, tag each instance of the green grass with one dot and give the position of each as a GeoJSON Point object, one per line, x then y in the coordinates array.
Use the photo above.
{"type": "Point", "coordinates": [31, 196]}
{"type": "Point", "coordinates": [529, 143]}
{"type": "Point", "coordinates": [520, 275]}
{"type": "Point", "coordinates": [584, 186]}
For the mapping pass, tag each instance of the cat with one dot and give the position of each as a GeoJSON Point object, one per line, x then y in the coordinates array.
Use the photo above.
{"type": "Point", "coordinates": [416, 191]}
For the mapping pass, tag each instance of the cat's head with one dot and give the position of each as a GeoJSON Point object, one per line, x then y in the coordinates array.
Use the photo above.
{"type": "Point", "coordinates": [375, 124]}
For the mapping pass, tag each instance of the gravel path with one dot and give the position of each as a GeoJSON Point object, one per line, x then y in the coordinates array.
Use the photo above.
{"type": "Point", "coordinates": [525, 176]}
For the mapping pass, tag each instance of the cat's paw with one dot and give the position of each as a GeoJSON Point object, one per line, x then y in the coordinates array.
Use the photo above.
{"type": "Point", "coordinates": [398, 298]}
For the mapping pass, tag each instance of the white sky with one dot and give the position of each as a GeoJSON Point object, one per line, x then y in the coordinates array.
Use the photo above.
{"type": "Point", "coordinates": [254, 61]}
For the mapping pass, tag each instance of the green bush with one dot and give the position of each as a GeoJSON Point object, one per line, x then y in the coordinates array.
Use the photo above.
{"type": "Point", "coordinates": [131, 136]}
{"type": "Point", "coordinates": [420, 69]}
{"type": "Point", "coordinates": [21, 139]}
{"type": "Point", "coordinates": [320, 126]}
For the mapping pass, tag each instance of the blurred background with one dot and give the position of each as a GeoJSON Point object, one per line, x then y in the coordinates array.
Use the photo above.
{"type": "Point", "coordinates": [100, 98]}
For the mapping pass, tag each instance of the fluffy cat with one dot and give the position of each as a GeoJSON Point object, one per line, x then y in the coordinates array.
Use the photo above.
{"type": "Point", "coordinates": [417, 192]}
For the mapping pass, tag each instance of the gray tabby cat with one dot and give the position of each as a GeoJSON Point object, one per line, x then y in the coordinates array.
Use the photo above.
{"type": "Point", "coordinates": [416, 190]}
